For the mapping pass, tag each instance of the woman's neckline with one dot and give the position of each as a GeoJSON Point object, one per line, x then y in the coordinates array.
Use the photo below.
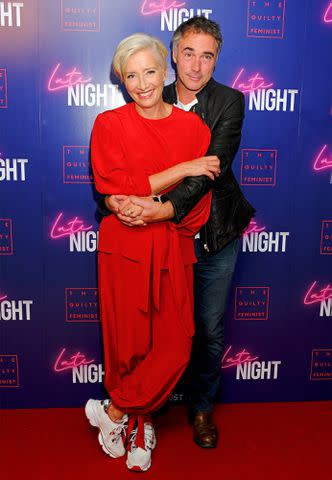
{"type": "Point", "coordinates": [153, 119]}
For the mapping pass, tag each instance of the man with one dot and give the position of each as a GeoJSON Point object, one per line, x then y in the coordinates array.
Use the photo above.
{"type": "Point", "coordinates": [195, 48]}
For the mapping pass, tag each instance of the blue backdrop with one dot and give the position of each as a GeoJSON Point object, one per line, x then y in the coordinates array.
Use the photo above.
{"type": "Point", "coordinates": [55, 61]}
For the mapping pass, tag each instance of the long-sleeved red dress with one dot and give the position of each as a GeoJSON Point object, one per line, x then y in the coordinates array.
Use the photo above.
{"type": "Point", "coordinates": [145, 273]}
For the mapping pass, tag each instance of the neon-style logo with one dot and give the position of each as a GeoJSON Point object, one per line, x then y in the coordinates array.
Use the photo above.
{"type": "Point", "coordinates": [253, 227]}
{"type": "Point", "coordinates": [322, 162]}
{"type": "Point", "coordinates": [239, 358]}
{"type": "Point", "coordinates": [3, 298]}
{"type": "Point", "coordinates": [76, 360]}
{"type": "Point", "coordinates": [314, 295]}
{"type": "Point", "coordinates": [69, 79]}
{"type": "Point", "coordinates": [328, 14]}
{"type": "Point", "coordinates": [149, 7]}
{"type": "Point", "coordinates": [61, 229]}
{"type": "Point", "coordinates": [255, 82]}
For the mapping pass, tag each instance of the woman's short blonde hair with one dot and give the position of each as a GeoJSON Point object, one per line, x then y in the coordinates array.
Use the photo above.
{"type": "Point", "coordinates": [133, 44]}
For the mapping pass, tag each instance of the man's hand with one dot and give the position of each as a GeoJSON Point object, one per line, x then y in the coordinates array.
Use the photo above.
{"type": "Point", "coordinates": [114, 202]}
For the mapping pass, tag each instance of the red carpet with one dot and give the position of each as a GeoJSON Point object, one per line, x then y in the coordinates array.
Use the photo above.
{"type": "Point", "coordinates": [272, 441]}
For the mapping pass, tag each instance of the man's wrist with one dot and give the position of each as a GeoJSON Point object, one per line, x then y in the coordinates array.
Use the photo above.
{"type": "Point", "coordinates": [167, 210]}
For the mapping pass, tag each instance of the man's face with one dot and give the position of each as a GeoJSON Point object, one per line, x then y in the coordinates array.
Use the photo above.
{"type": "Point", "coordinates": [195, 58]}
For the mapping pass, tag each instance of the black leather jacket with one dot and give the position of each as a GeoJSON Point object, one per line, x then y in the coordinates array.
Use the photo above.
{"type": "Point", "coordinates": [222, 109]}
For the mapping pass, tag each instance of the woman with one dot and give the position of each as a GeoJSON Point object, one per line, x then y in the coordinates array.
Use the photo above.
{"type": "Point", "coordinates": [145, 273]}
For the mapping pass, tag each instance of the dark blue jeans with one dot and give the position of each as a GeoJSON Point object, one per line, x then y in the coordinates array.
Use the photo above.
{"type": "Point", "coordinates": [213, 278]}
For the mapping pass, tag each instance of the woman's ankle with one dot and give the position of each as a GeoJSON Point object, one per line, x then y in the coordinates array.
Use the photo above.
{"type": "Point", "coordinates": [114, 413]}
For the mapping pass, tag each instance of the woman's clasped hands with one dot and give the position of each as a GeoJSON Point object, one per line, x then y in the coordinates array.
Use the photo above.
{"type": "Point", "coordinates": [135, 211]}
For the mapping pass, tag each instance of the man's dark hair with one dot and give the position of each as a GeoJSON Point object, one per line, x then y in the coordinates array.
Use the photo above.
{"type": "Point", "coordinates": [198, 25]}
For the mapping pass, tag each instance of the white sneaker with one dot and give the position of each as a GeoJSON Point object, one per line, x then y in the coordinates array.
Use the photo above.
{"type": "Point", "coordinates": [139, 459]}
{"type": "Point", "coordinates": [111, 433]}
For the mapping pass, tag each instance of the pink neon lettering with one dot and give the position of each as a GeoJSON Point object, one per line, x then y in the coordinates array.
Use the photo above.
{"type": "Point", "coordinates": [328, 14]}
{"type": "Point", "coordinates": [3, 298]}
{"type": "Point", "coordinates": [70, 79]}
{"type": "Point", "coordinates": [321, 162]}
{"type": "Point", "coordinates": [253, 227]}
{"type": "Point", "coordinates": [241, 357]}
{"type": "Point", "coordinates": [73, 226]}
{"type": "Point", "coordinates": [322, 295]}
{"type": "Point", "coordinates": [255, 82]}
{"type": "Point", "coordinates": [74, 361]}
{"type": "Point", "coordinates": [148, 7]}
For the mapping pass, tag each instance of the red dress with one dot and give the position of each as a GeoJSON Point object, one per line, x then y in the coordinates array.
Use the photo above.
{"type": "Point", "coordinates": [145, 273]}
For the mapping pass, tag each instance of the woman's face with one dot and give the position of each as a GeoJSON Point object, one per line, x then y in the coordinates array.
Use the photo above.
{"type": "Point", "coordinates": [143, 78]}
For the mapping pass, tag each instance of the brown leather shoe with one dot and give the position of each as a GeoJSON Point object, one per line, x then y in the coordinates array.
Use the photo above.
{"type": "Point", "coordinates": [205, 432]}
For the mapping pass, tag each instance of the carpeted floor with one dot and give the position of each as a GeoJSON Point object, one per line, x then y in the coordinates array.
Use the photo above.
{"type": "Point", "coordinates": [268, 441]}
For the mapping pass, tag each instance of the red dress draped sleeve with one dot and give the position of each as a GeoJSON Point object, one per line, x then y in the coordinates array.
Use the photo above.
{"type": "Point", "coordinates": [109, 164]}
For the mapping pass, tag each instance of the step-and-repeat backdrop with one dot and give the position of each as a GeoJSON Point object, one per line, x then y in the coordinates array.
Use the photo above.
{"type": "Point", "coordinates": [55, 78]}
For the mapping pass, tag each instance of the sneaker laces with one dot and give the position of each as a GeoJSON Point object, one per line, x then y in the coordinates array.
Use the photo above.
{"type": "Point", "coordinates": [118, 432]}
{"type": "Point", "coordinates": [148, 438]}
